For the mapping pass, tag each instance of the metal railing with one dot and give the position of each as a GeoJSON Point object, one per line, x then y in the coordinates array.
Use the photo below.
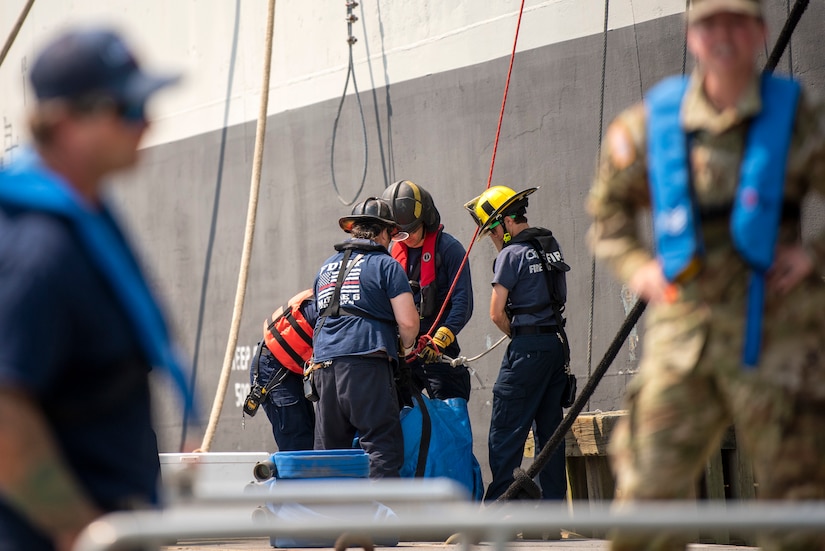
{"type": "Point", "coordinates": [432, 510]}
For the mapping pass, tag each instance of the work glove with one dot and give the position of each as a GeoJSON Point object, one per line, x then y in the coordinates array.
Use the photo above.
{"type": "Point", "coordinates": [432, 348]}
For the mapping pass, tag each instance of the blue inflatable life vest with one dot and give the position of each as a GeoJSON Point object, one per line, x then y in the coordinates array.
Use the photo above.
{"type": "Point", "coordinates": [758, 204]}
{"type": "Point", "coordinates": [28, 183]}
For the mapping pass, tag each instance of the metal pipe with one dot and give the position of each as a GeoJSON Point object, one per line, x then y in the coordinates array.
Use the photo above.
{"type": "Point", "coordinates": [338, 491]}
{"type": "Point", "coordinates": [264, 470]}
{"type": "Point", "coordinates": [437, 521]}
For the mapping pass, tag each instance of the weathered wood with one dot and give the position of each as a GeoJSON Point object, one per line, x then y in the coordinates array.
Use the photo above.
{"type": "Point", "coordinates": [600, 483]}
{"type": "Point", "coordinates": [576, 478]}
{"type": "Point", "coordinates": [590, 433]}
{"type": "Point", "coordinates": [728, 474]}
{"type": "Point", "coordinates": [715, 489]}
{"type": "Point", "coordinates": [715, 477]}
{"type": "Point", "coordinates": [742, 480]}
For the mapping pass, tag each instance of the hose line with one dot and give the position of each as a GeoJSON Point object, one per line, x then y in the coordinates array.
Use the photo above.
{"type": "Point", "coordinates": [351, 40]}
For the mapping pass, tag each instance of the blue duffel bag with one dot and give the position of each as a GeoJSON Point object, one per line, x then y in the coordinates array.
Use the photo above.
{"type": "Point", "coordinates": [438, 442]}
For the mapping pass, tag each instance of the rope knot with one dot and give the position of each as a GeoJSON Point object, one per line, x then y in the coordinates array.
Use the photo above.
{"type": "Point", "coordinates": [526, 486]}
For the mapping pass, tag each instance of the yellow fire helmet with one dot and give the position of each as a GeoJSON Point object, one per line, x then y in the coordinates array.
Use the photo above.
{"type": "Point", "coordinates": [489, 207]}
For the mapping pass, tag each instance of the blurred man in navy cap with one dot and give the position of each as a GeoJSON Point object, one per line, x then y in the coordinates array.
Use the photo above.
{"type": "Point", "coordinates": [80, 327]}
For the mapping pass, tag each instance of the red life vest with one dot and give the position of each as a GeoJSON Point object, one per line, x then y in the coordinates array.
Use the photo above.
{"type": "Point", "coordinates": [288, 335]}
{"type": "Point", "coordinates": [399, 252]}
{"type": "Point", "coordinates": [429, 266]}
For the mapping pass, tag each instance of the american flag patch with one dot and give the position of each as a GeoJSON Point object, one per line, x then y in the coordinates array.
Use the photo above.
{"type": "Point", "coordinates": [350, 289]}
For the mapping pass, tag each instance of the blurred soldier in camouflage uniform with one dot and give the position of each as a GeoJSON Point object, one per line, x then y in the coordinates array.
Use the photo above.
{"type": "Point", "coordinates": [694, 379]}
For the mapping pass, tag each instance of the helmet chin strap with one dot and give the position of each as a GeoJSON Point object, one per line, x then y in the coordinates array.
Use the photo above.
{"type": "Point", "coordinates": [506, 237]}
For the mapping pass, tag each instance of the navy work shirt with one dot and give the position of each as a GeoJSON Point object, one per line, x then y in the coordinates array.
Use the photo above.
{"type": "Point", "coordinates": [68, 344]}
{"type": "Point", "coordinates": [519, 269]}
{"type": "Point", "coordinates": [369, 286]}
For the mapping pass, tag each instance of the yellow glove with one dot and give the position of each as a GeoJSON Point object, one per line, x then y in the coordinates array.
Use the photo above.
{"type": "Point", "coordinates": [441, 340]}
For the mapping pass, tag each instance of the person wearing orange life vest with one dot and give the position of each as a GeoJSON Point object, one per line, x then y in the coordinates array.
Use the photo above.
{"type": "Point", "coordinates": [431, 258]}
{"type": "Point", "coordinates": [279, 368]}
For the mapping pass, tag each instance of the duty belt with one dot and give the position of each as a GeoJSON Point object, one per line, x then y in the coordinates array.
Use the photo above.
{"type": "Point", "coordinates": [522, 330]}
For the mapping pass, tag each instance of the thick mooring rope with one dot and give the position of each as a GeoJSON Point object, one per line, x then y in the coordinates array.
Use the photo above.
{"type": "Point", "coordinates": [249, 234]}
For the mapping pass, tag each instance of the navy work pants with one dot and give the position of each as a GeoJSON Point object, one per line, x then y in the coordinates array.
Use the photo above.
{"type": "Point", "coordinates": [291, 415]}
{"type": "Point", "coordinates": [357, 394]}
{"type": "Point", "coordinates": [528, 389]}
{"type": "Point", "coordinates": [442, 381]}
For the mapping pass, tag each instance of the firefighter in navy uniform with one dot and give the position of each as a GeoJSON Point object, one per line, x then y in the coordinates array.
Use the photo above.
{"type": "Point", "coordinates": [529, 291]}
{"type": "Point", "coordinates": [277, 373]}
{"type": "Point", "coordinates": [366, 310]}
{"type": "Point", "coordinates": [432, 258]}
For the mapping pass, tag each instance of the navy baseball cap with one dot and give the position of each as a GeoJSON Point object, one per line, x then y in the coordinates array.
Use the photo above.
{"type": "Point", "coordinates": [93, 61]}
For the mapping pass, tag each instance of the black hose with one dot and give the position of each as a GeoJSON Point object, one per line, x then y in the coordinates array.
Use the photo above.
{"type": "Point", "coordinates": [523, 487]}
{"type": "Point", "coordinates": [784, 38]}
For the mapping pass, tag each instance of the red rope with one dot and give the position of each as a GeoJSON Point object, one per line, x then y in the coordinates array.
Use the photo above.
{"type": "Point", "coordinates": [490, 176]}
{"type": "Point", "coordinates": [504, 99]}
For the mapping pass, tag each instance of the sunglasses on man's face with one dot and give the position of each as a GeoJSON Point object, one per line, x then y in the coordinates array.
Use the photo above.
{"type": "Point", "coordinates": [129, 112]}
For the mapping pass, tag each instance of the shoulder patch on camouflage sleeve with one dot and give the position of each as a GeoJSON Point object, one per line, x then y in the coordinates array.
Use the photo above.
{"type": "Point", "coordinates": [620, 146]}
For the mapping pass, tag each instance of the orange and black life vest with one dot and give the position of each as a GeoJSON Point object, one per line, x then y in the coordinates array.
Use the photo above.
{"type": "Point", "coordinates": [424, 275]}
{"type": "Point", "coordinates": [288, 334]}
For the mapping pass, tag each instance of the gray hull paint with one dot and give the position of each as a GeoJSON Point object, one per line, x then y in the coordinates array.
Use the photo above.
{"type": "Point", "coordinates": [188, 203]}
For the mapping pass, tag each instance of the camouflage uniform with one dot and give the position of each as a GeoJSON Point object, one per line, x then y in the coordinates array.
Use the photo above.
{"type": "Point", "coordinates": [691, 385]}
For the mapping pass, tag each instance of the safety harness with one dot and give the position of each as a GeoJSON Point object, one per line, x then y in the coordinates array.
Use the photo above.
{"type": "Point", "coordinates": [758, 205]}
{"type": "Point", "coordinates": [554, 269]}
{"type": "Point", "coordinates": [276, 378]}
{"type": "Point", "coordinates": [423, 275]}
{"type": "Point", "coordinates": [334, 308]}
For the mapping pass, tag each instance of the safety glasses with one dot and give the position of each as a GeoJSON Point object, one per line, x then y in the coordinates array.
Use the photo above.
{"type": "Point", "coordinates": [396, 234]}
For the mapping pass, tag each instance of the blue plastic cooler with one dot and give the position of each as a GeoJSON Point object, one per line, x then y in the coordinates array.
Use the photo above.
{"type": "Point", "coordinates": [319, 464]}
{"type": "Point", "coordinates": [322, 464]}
